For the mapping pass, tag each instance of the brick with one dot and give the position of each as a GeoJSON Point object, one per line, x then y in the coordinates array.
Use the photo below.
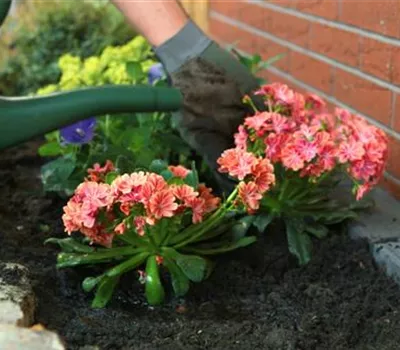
{"type": "Point", "coordinates": [375, 58]}
{"type": "Point", "coordinates": [393, 164]}
{"type": "Point", "coordinates": [314, 73]}
{"type": "Point", "coordinates": [335, 43]}
{"type": "Point", "coordinates": [276, 78]}
{"type": "Point", "coordinates": [271, 77]}
{"type": "Point", "coordinates": [395, 66]}
{"type": "Point", "coordinates": [256, 16]}
{"type": "Point", "coordinates": [251, 14]}
{"type": "Point", "coordinates": [290, 28]}
{"type": "Point", "coordinates": [223, 32]}
{"type": "Point", "coordinates": [390, 186]}
{"type": "Point", "coordinates": [249, 43]}
{"type": "Point", "coordinates": [396, 120]}
{"type": "Point", "coordinates": [282, 25]}
{"type": "Point", "coordinates": [227, 8]}
{"type": "Point", "coordinates": [381, 16]}
{"type": "Point", "coordinates": [364, 96]}
{"type": "Point", "coordinates": [323, 8]}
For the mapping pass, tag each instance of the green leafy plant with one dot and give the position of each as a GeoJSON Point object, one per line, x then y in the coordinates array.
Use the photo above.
{"type": "Point", "coordinates": [38, 34]}
{"type": "Point", "coordinates": [129, 140]}
{"type": "Point", "coordinates": [154, 222]}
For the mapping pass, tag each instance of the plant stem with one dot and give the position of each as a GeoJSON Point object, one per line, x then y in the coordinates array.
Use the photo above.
{"type": "Point", "coordinates": [209, 223]}
{"type": "Point", "coordinates": [74, 259]}
{"type": "Point", "coordinates": [107, 126]}
{"type": "Point", "coordinates": [153, 243]}
{"type": "Point", "coordinates": [252, 105]}
{"type": "Point", "coordinates": [283, 189]}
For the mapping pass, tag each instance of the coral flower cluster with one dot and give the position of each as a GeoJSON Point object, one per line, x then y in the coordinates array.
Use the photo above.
{"type": "Point", "coordinates": [133, 201]}
{"type": "Point", "coordinates": [256, 175]}
{"type": "Point", "coordinates": [297, 132]}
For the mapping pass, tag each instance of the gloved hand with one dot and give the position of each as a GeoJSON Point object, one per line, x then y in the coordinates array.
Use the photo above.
{"type": "Point", "coordinates": [213, 83]}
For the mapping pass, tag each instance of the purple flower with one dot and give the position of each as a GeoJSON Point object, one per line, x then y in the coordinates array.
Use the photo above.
{"type": "Point", "coordinates": [156, 71]}
{"type": "Point", "coordinates": [79, 133]}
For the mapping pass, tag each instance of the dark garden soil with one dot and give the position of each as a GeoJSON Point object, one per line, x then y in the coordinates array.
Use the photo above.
{"type": "Point", "coordinates": [256, 298]}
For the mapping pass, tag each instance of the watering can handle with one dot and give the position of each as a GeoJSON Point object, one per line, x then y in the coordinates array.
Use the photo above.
{"type": "Point", "coordinates": [22, 118]}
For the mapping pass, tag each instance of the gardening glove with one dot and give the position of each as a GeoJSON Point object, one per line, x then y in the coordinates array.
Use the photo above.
{"type": "Point", "coordinates": [213, 83]}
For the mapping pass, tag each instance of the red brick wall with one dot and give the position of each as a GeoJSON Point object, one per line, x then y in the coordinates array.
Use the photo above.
{"type": "Point", "coordinates": [347, 51]}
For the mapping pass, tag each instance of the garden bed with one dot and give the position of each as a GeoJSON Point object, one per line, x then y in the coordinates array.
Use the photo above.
{"type": "Point", "coordinates": [259, 299]}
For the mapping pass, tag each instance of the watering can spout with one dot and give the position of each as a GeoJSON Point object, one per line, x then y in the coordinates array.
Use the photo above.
{"type": "Point", "coordinates": [23, 118]}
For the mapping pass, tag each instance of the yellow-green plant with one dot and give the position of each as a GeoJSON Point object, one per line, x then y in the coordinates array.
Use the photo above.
{"type": "Point", "coordinates": [40, 32]}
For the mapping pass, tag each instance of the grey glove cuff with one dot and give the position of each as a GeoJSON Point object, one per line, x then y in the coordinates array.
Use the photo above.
{"type": "Point", "coordinates": [188, 43]}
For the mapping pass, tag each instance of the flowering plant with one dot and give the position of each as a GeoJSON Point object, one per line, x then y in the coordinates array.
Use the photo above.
{"type": "Point", "coordinates": [163, 219]}
{"type": "Point", "coordinates": [310, 151]}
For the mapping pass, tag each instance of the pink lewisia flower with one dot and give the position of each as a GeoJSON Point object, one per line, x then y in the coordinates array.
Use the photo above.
{"type": "Point", "coordinates": [363, 169]}
{"type": "Point", "coordinates": [72, 217]}
{"type": "Point", "coordinates": [280, 93]}
{"type": "Point", "coordinates": [127, 187]}
{"type": "Point", "coordinates": [375, 151]}
{"type": "Point", "coordinates": [241, 138]}
{"type": "Point", "coordinates": [126, 207]}
{"type": "Point", "coordinates": [315, 101]}
{"type": "Point", "coordinates": [97, 235]}
{"type": "Point", "coordinates": [184, 193]}
{"type": "Point", "coordinates": [97, 194]}
{"type": "Point", "coordinates": [274, 144]}
{"type": "Point", "coordinates": [291, 158]}
{"type": "Point", "coordinates": [198, 209]}
{"type": "Point", "coordinates": [162, 204]}
{"type": "Point", "coordinates": [98, 172]}
{"type": "Point", "coordinates": [305, 149]}
{"type": "Point", "coordinates": [122, 184]}
{"type": "Point", "coordinates": [211, 202]}
{"type": "Point", "coordinates": [307, 131]}
{"type": "Point", "coordinates": [362, 190]}
{"type": "Point", "coordinates": [154, 184]}
{"type": "Point", "coordinates": [312, 170]}
{"type": "Point", "coordinates": [325, 121]}
{"type": "Point", "coordinates": [120, 228]}
{"type": "Point", "coordinates": [179, 171]}
{"type": "Point", "coordinates": [88, 214]}
{"type": "Point", "coordinates": [140, 223]}
{"type": "Point", "coordinates": [236, 162]}
{"type": "Point", "coordinates": [343, 115]}
{"type": "Point", "coordinates": [139, 178]}
{"type": "Point", "coordinates": [298, 108]}
{"type": "Point", "coordinates": [257, 121]}
{"type": "Point", "coordinates": [157, 182]}
{"type": "Point", "coordinates": [283, 94]}
{"type": "Point", "coordinates": [280, 123]}
{"type": "Point", "coordinates": [263, 173]}
{"type": "Point", "coordinates": [350, 150]}
{"type": "Point", "coordinates": [249, 195]}
{"type": "Point", "coordinates": [298, 132]}
{"type": "Point", "coordinates": [327, 157]}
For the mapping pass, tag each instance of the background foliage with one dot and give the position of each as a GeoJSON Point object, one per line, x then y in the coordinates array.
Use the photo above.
{"type": "Point", "coordinates": [38, 35]}
{"type": "Point", "coordinates": [130, 140]}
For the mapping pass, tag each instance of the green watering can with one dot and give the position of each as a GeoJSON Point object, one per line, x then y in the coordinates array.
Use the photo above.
{"type": "Point", "coordinates": [23, 118]}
